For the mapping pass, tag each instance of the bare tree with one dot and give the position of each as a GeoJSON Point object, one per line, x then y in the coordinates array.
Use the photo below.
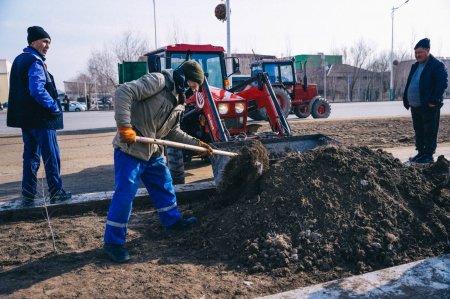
{"type": "Point", "coordinates": [102, 68]}
{"type": "Point", "coordinates": [130, 47]}
{"type": "Point", "coordinates": [101, 76]}
{"type": "Point", "coordinates": [358, 57]}
{"type": "Point", "coordinates": [178, 35]}
{"type": "Point", "coordinates": [379, 80]}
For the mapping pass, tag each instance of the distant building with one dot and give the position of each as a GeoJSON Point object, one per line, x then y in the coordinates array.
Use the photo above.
{"type": "Point", "coordinates": [245, 61]}
{"type": "Point", "coordinates": [5, 69]}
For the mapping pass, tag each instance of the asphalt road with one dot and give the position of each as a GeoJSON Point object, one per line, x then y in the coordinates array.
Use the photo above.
{"type": "Point", "coordinates": [105, 119]}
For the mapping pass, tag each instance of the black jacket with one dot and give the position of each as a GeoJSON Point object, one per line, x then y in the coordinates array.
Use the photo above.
{"type": "Point", "coordinates": [433, 83]}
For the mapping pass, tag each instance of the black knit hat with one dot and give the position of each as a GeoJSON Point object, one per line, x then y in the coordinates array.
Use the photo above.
{"type": "Point", "coordinates": [423, 43]}
{"type": "Point", "coordinates": [193, 71]}
{"type": "Point", "coordinates": [36, 33]}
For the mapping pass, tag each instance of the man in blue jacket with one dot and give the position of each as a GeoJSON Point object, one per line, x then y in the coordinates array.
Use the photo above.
{"type": "Point", "coordinates": [424, 93]}
{"type": "Point", "coordinates": [34, 107]}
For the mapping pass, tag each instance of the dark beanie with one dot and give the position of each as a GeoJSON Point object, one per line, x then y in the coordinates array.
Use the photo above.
{"type": "Point", "coordinates": [423, 43]}
{"type": "Point", "coordinates": [36, 33]}
{"type": "Point", "coordinates": [193, 71]}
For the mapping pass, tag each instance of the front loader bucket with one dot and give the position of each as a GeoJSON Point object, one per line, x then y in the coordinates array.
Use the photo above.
{"type": "Point", "coordinates": [277, 147]}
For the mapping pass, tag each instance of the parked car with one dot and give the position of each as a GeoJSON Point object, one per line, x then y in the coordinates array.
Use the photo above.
{"type": "Point", "coordinates": [76, 106]}
{"type": "Point", "coordinates": [104, 103]}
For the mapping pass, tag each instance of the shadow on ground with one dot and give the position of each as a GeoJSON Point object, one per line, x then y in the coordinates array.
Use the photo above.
{"type": "Point", "coordinates": [95, 179]}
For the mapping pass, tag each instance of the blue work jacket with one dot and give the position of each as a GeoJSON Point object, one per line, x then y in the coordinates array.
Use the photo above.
{"type": "Point", "coordinates": [33, 98]}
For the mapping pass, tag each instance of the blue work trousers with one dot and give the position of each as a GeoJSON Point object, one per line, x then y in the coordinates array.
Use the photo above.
{"type": "Point", "coordinates": [37, 143]}
{"type": "Point", "coordinates": [157, 180]}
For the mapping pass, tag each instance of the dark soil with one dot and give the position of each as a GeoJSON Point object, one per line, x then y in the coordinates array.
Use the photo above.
{"type": "Point", "coordinates": [241, 174]}
{"type": "Point", "coordinates": [334, 209]}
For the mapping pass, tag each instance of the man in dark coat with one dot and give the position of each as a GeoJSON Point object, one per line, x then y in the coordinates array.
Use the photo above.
{"type": "Point", "coordinates": [424, 93]}
{"type": "Point", "coordinates": [34, 107]}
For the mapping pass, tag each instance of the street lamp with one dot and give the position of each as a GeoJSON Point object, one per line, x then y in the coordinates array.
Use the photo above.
{"type": "Point", "coordinates": [154, 23]}
{"type": "Point", "coordinates": [228, 37]}
{"type": "Point", "coordinates": [391, 85]}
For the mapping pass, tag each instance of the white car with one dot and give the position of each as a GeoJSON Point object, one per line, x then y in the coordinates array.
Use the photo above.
{"type": "Point", "coordinates": [76, 106]}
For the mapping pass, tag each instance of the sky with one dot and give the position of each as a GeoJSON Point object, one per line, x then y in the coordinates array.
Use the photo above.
{"type": "Point", "coordinates": [283, 27]}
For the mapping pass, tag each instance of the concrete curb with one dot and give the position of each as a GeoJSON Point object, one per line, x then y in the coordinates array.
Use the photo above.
{"type": "Point", "coordinates": [14, 209]}
{"type": "Point", "coordinates": [428, 278]}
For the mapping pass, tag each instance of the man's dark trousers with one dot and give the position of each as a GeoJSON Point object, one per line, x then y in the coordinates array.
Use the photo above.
{"type": "Point", "coordinates": [39, 142]}
{"type": "Point", "coordinates": [426, 126]}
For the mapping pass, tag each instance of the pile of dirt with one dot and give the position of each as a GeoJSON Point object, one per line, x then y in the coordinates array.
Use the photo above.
{"type": "Point", "coordinates": [334, 208]}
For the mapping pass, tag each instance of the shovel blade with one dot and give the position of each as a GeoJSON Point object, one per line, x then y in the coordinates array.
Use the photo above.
{"type": "Point", "coordinates": [277, 147]}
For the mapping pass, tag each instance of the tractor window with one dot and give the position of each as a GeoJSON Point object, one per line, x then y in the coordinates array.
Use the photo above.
{"type": "Point", "coordinates": [256, 69]}
{"type": "Point", "coordinates": [286, 74]}
{"type": "Point", "coordinates": [272, 72]}
{"type": "Point", "coordinates": [210, 63]}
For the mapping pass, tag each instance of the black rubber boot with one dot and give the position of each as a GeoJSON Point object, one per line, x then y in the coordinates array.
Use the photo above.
{"type": "Point", "coordinates": [183, 224]}
{"type": "Point", "coordinates": [414, 159]}
{"type": "Point", "coordinates": [60, 195]}
{"type": "Point", "coordinates": [116, 252]}
{"type": "Point", "coordinates": [424, 159]}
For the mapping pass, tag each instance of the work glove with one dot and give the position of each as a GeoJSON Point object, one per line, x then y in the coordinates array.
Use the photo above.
{"type": "Point", "coordinates": [209, 151]}
{"type": "Point", "coordinates": [127, 135]}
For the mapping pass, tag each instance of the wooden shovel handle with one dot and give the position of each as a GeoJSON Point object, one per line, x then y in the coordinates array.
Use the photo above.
{"type": "Point", "coordinates": [182, 146]}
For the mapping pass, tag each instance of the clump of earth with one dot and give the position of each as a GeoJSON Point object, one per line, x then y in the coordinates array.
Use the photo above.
{"type": "Point", "coordinates": [241, 173]}
{"type": "Point", "coordinates": [334, 208]}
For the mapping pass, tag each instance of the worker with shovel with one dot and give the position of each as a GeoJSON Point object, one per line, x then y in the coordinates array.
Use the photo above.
{"type": "Point", "coordinates": [150, 106]}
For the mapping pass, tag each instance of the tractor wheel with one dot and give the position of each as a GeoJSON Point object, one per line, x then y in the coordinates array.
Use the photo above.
{"type": "Point", "coordinates": [321, 108]}
{"type": "Point", "coordinates": [176, 164]}
{"type": "Point", "coordinates": [302, 111]}
{"type": "Point", "coordinates": [283, 99]}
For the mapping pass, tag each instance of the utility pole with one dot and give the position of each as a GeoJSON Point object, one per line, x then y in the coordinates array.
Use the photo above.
{"type": "Point", "coordinates": [391, 85]}
{"type": "Point", "coordinates": [325, 67]}
{"type": "Point", "coordinates": [154, 23]}
{"type": "Point", "coordinates": [228, 37]}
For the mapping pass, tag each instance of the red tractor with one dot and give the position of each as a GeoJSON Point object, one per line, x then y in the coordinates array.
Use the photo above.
{"type": "Point", "coordinates": [299, 98]}
{"type": "Point", "coordinates": [217, 114]}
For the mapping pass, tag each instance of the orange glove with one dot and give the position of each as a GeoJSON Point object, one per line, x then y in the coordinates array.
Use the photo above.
{"type": "Point", "coordinates": [127, 135]}
{"type": "Point", "coordinates": [208, 147]}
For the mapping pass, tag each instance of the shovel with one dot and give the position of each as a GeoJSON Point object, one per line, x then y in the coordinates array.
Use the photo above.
{"type": "Point", "coordinates": [182, 146]}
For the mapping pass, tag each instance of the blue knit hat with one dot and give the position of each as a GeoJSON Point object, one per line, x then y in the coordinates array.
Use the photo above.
{"type": "Point", "coordinates": [423, 43]}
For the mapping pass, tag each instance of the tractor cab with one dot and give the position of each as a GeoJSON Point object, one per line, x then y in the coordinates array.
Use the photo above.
{"type": "Point", "coordinates": [211, 58]}
{"type": "Point", "coordinates": [280, 71]}
{"type": "Point", "coordinates": [300, 98]}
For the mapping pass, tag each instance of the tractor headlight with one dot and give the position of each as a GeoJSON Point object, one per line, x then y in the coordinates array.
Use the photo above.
{"type": "Point", "coordinates": [223, 108]}
{"type": "Point", "coordinates": [239, 107]}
